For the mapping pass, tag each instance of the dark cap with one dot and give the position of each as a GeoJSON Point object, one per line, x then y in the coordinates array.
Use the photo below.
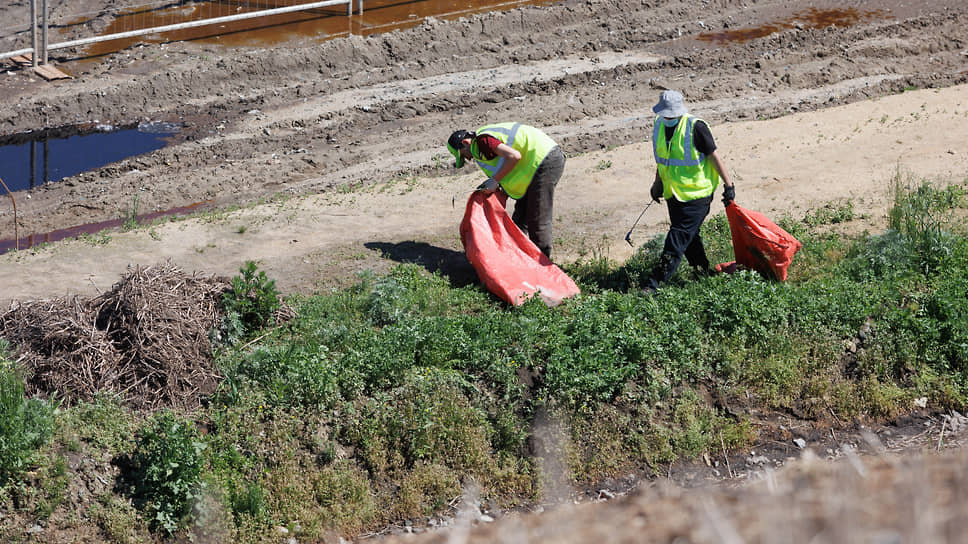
{"type": "Point", "coordinates": [455, 142]}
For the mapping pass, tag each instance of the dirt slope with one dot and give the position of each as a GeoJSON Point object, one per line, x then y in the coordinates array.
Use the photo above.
{"type": "Point", "coordinates": [807, 113]}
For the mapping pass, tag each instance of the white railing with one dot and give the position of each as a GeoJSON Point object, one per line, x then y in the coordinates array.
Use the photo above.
{"type": "Point", "coordinates": [39, 25]}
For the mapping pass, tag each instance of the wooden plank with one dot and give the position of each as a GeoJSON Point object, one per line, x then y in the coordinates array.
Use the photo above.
{"type": "Point", "coordinates": [22, 60]}
{"type": "Point", "coordinates": [49, 73]}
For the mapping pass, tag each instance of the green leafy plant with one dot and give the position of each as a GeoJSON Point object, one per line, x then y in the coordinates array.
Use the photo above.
{"type": "Point", "coordinates": [117, 519]}
{"type": "Point", "coordinates": [53, 479]}
{"type": "Point", "coordinates": [25, 425]}
{"type": "Point", "coordinates": [249, 305]}
{"type": "Point", "coordinates": [97, 239]}
{"type": "Point", "coordinates": [167, 466]}
{"type": "Point", "coordinates": [428, 418]}
{"type": "Point", "coordinates": [103, 423]}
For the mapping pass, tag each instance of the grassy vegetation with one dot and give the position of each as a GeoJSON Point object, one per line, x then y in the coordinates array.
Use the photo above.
{"type": "Point", "coordinates": [165, 471]}
{"type": "Point", "coordinates": [25, 425]}
{"type": "Point", "coordinates": [131, 216]}
{"type": "Point", "coordinates": [384, 401]}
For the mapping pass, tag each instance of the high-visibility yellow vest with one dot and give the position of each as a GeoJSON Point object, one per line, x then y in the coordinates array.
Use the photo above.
{"type": "Point", "coordinates": [533, 144]}
{"type": "Point", "coordinates": [685, 172]}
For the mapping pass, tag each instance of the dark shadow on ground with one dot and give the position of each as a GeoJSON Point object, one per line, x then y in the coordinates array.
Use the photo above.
{"type": "Point", "coordinates": [450, 264]}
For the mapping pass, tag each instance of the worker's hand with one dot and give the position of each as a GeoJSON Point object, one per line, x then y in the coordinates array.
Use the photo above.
{"type": "Point", "coordinates": [729, 193]}
{"type": "Point", "coordinates": [488, 186]}
{"type": "Point", "coordinates": [656, 190]}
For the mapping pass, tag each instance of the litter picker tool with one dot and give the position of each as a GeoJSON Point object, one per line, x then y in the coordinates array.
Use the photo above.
{"type": "Point", "coordinates": [628, 236]}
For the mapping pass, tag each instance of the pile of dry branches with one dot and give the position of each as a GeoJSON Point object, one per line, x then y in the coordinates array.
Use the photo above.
{"type": "Point", "coordinates": [146, 339]}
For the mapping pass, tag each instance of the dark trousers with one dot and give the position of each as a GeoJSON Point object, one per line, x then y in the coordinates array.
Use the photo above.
{"type": "Point", "coordinates": [533, 212]}
{"type": "Point", "coordinates": [683, 239]}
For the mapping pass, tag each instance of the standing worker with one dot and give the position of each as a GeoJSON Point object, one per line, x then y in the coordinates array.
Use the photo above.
{"type": "Point", "coordinates": [522, 161]}
{"type": "Point", "coordinates": [686, 175]}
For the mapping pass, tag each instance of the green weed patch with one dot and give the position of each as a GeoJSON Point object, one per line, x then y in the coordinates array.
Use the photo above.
{"type": "Point", "coordinates": [25, 426]}
{"type": "Point", "coordinates": [388, 400]}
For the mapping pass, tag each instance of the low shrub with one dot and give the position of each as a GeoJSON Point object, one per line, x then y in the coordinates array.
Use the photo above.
{"type": "Point", "coordinates": [166, 471]}
{"type": "Point", "coordinates": [26, 425]}
{"type": "Point", "coordinates": [103, 423]}
{"type": "Point", "coordinates": [249, 306]}
{"type": "Point", "coordinates": [922, 216]}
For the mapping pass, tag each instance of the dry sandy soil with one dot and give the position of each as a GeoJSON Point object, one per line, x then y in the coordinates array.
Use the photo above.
{"type": "Point", "coordinates": [353, 130]}
{"type": "Point", "coordinates": [811, 103]}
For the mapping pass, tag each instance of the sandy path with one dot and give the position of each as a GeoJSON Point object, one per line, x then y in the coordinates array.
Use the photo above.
{"type": "Point", "coordinates": [782, 166]}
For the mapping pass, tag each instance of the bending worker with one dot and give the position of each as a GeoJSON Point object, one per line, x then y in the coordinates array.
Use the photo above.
{"type": "Point", "coordinates": [688, 171]}
{"type": "Point", "coordinates": [522, 161]}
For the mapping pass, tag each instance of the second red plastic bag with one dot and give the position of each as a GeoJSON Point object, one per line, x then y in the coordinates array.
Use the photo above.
{"type": "Point", "coordinates": [759, 244]}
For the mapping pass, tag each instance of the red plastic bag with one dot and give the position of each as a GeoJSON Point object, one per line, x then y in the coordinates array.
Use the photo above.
{"type": "Point", "coordinates": [759, 244]}
{"type": "Point", "coordinates": [506, 260]}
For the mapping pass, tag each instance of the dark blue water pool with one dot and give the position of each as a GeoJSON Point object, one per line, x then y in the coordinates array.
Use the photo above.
{"type": "Point", "coordinates": [29, 160]}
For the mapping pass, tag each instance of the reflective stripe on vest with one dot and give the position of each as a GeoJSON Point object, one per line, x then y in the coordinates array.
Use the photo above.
{"type": "Point", "coordinates": [533, 145]}
{"type": "Point", "coordinates": [685, 172]}
{"type": "Point", "coordinates": [688, 150]}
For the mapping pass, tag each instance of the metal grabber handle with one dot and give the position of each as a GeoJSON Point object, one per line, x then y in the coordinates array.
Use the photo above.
{"type": "Point", "coordinates": [628, 235]}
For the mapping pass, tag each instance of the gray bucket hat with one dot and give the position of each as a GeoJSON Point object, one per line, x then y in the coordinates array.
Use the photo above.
{"type": "Point", "coordinates": [670, 104]}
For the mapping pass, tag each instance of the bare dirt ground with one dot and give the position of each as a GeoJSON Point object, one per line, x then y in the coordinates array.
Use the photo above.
{"type": "Point", "coordinates": [353, 130]}
{"type": "Point", "coordinates": [329, 160]}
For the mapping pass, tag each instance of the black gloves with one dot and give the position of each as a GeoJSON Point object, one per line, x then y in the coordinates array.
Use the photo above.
{"type": "Point", "coordinates": [729, 193]}
{"type": "Point", "coordinates": [489, 186]}
{"type": "Point", "coordinates": [656, 190]}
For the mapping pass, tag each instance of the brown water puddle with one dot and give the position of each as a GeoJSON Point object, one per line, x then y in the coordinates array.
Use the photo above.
{"type": "Point", "coordinates": [316, 24]}
{"type": "Point", "coordinates": [809, 18]}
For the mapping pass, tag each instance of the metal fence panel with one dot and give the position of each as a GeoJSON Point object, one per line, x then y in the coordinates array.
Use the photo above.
{"type": "Point", "coordinates": [138, 18]}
